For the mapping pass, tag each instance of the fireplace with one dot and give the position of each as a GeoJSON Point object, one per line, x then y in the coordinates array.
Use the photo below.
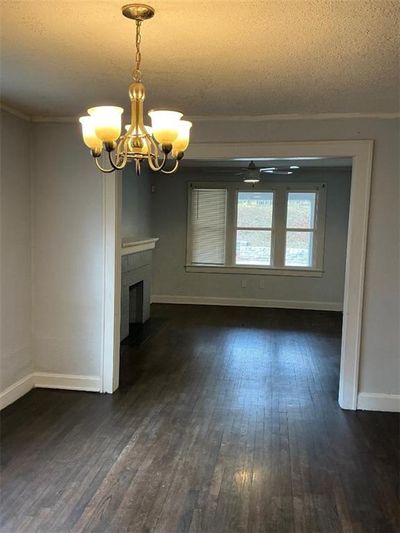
{"type": "Point", "coordinates": [136, 303]}
{"type": "Point", "coordinates": [135, 289]}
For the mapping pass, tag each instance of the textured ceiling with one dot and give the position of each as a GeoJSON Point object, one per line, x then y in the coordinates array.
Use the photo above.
{"type": "Point", "coordinates": [204, 57]}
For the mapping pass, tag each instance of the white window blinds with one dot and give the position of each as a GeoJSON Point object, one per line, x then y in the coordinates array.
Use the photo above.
{"type": "Point", "coordinates": [208, 226]}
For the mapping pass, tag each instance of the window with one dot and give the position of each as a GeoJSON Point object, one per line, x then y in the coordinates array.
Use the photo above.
{"type": "Point", "coordinates": [208, 226]}
{"type": "Point", "coordinates": [300, 228]}
{"type": "Point", "coordinates": [233, 227]}
{"type": "Point", "coordinates": [254, 228]}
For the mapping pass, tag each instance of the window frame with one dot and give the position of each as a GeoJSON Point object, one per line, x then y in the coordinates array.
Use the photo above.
{"type": "Point", "coordinates": [278, 230]}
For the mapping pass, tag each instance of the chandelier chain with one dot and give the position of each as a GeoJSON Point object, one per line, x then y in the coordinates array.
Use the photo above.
{"type": "Point", "coordinates": [137, 75]}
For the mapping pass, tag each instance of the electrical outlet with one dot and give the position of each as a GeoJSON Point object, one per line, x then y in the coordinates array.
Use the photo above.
{"type": "Point", "coordinates": [153, 188]}
{"type": "Point", "coordinates": [244, 283]}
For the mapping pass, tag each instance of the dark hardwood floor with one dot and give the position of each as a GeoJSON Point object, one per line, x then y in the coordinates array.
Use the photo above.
{"type": "Point", "coordinates": [226, 421]}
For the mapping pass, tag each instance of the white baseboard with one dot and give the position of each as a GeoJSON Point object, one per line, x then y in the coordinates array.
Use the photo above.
{"type": "Point", "coordinates": [45, 380]}
{"type": "Point", "coordinates": [367, 401]}
{"type": "Point", "coordinates": [372, 401]}
{"type": "Point", "coordinates": [12, 393]}
{"type": "Point", "coordinates": [247, 302]}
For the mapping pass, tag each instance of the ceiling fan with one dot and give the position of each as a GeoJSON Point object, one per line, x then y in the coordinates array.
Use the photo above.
{"type": "Point", "coordinates": [252, 174]}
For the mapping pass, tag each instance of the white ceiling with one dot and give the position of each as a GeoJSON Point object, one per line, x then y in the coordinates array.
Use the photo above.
{"type": "Point", "coordinates": [225, 57]}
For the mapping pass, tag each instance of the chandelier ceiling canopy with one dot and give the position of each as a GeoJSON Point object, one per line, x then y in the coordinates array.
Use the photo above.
{"type": "Point", "coordinates": [168, 134]}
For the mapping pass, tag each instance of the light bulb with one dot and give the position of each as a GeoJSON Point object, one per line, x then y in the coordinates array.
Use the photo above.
{"type": "Point", "coordinates": [89, 136]}
{"type": "Point", "coordinates": [165, 125]}
{"type": "Point", "coordinates": [107, 122]}
{"type": "Point", "coordinates": [251, 180]}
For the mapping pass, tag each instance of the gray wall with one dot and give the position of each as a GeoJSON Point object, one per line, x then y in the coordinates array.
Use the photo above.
{"type": "Point", "coordinates": [169, 218]}
{"type": "Point", "coordinates": [68, 253]}
{"type": "Point", "coordinates": [16, 280]}
{"type": "Point", "coordinates": [136, 200]}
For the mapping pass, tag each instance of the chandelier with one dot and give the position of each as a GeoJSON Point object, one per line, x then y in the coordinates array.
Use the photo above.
{"type": "Point", "coordinates": [168, 134]}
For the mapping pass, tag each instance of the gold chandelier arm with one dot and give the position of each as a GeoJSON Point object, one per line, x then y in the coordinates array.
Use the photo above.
{"type": "Point", "coordinates": [115, 163]}
{"type": "Point", "coordinates": [154, 166]}
{"type": "Point", "coordinates": [153, 152]}
{"type": "Point", "coordinates": [174, 169]}
{"type": "Point", "coordinates": [105, 170]}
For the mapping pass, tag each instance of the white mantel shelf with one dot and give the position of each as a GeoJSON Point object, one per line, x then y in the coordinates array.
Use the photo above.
{"type": "Point", "coordinates": [134, 247]}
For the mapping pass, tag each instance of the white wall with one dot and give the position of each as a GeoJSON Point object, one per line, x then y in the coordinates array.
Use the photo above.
{"type": "Point", "coordinates": [16, 347]}
{"type": "Point", "coordinates": [136, 204]}
{"type": "Point", "coordinates": [67, 208]}
{"type": "Point", "coordinates": [169, 218]}
{"type": "Point", "coordinates": [380, 360]}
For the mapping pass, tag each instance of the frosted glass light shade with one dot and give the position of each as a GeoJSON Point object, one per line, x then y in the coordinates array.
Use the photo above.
{"type": "Point", "coordinates": [89, 136]}
{"type": "Point", "coordinates": [107, 122]}
{"type": "Point", "coordinates": [182, 141]}
{"type": "Point", "coordinates": [165, 125]}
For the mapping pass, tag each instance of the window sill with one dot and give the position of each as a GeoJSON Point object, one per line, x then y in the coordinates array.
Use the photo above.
{"type": "Point", "coordinates": [256, 270]}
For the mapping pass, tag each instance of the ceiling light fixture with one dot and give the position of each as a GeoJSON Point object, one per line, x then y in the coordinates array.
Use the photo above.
{"type": "Point", "coordinates": [251, 174]}
{"type": "Point", "coordinates": [168, 134]}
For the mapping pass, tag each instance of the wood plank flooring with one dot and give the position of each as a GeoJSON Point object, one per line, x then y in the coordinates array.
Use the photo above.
{"type": "Point", "coordinates": [226, 421]}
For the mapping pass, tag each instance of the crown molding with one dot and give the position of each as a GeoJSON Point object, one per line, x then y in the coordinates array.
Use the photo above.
{"type": "Point", "coordinates": [15, 112]}
{"type": "Point", "coordinates": [253, 118]}
{"type": "Point", "coordinates": [224, 118]}
{"type": "Point", "coordinates": [294, 116]}
{"type": "Point", "coordinates": [39, 118]}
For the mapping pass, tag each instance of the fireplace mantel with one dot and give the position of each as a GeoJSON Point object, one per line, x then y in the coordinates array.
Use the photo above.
{"type": "Point", "coordinates": [133, 247]}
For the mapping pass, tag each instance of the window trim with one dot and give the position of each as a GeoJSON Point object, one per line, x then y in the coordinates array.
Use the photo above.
{"type": "Point", "coordinates": [255, 270]}
{"type": "Point", "coordinates": [278, 231]}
